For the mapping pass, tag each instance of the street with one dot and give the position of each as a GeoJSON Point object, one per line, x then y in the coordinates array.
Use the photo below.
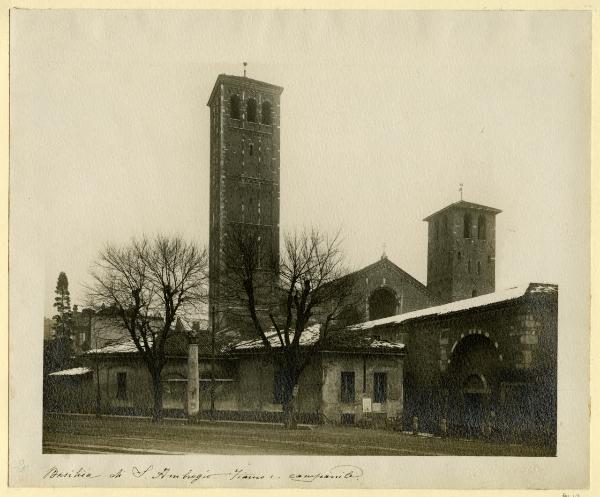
{"type": "Point", "coordinates": [86, 434]}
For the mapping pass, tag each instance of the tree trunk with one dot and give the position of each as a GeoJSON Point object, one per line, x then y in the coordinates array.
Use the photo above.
{"type": "Point", "coordinates": [157, 413]}
{"type": "Point", "coordinates": [289, 409]}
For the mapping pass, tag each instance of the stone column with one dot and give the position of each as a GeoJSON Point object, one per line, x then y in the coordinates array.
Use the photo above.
{"type": "Point", "coordinates": [193, 383]}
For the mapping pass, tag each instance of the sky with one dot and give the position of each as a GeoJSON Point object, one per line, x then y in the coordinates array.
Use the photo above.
{"type": "Point", "coordinates": [383, 114]}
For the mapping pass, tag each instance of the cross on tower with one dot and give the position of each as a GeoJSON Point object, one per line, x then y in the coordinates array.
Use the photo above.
{"type": "Point", "coordinates": [460, 189]}
{"type": "Point", "coordinates": [245, 64]}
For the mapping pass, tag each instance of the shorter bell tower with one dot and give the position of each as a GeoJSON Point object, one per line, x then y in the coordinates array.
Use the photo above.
{"type": "Point", "coordinates": [461, 254]}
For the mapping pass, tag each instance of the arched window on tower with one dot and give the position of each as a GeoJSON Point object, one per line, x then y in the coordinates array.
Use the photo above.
{"type": "Point", "coordinates": [481, 227]}
{"type": "Point", "coordinates": [478, 267]}
{"type": "Point", "coordinates": [251, 110]}
{"type": "Point", "coordinates": [467, 225]}
{"type": "Point", "coordinates": [266, 113]}
{"type": "Point", "coordinates": [234, 106]}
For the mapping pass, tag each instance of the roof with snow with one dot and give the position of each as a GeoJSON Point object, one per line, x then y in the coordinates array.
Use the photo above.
{"type": "Point", "coordinates": [463, 204]}
{"type": "Point", "coordinates": [479, 302]}
{"type": "Point", "coordinates": [177, 343]}
{"type": "Point", "coordinates": [342, 341]}
{"type": "Point", "coordinates": [71, 372]}
{"type": "Point", "coordinates": [125, 347]}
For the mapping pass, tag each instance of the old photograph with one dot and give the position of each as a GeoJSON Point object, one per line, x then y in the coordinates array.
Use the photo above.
{"type": "Point", "coordinates": [299, 248]}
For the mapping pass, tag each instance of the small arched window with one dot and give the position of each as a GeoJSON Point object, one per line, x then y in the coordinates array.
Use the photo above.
{"type": "Point", "coordinates": [266, 113]}
{"type": "Point", "coordinates": [251, 110]}
{"type": "Point", "coordinates": [481, 227]}
{"type": "Point", "coordinates": [467, 225]}
{"type": "Point", "coordinates": [474, 292]}
{"type": "Point", "coordinates": [478, 267]}
{"type": "Point", "coordinates": [459, 256]}
{"type": "Point", "coordinates": [251, 149]}
{"type": "Point", "coordinates": [234, 106]}
{"type": "Point", "coordinates": [469, 265]}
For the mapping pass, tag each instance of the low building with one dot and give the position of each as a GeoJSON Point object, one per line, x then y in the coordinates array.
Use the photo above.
{"type": "Point", "coordinates": [479, 366]}
{"type": "Point", "coordinates": [355, 379]}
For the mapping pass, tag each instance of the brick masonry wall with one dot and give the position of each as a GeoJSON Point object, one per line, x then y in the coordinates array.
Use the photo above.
{"type": "Point", "coordinates": [457, 265]}
{"type": "Point", "coordinates": [245, 164]}
{"type": "Point", "coordinates": [520, 337]}
{"type": "Point", "coordinates": [409, 294]}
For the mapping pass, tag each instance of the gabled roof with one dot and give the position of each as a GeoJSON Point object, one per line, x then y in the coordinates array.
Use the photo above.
{"type": "Point", "coordinates": [243, 81]}
{"type": "Point", "coordinates": [383, 261]}
{"type": "Point", "coordinates": [463, 204]}
{"type": "Point", "coordinates": [475, 303]}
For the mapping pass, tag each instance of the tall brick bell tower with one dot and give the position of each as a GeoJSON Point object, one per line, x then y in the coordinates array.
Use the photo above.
{"type": "Point", "coordinates": [244, 170]}
{"type": "Point", "coordinates": [461, 254]}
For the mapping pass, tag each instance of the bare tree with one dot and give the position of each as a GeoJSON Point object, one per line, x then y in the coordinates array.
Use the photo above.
{"type": "Point", "coordinates": [145, 280]}
{"type": "Point", "coordinates": [309, 285]}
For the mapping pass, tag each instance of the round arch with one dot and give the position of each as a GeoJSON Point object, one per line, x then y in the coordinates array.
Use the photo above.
{"type": "Point", "coordinates": [382, 303]}
{"type": "Point", "coordinates": [474, 354]}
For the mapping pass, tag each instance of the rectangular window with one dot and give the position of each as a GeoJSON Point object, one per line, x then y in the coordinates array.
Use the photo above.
{"type": "Point", "coordinates": [380, 388]}
{"type": "Point", "coordinates": [122, 386]}
{"type": "Point", "coordinates": [347, 387]}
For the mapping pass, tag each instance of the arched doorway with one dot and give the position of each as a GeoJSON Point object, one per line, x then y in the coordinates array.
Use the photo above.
{"type": "Point", "coordinates": [382, 303]}
{"type": "Point", "coordinates": [473, 377]}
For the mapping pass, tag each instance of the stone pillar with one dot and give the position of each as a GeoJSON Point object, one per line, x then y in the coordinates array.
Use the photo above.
{"type": "Point", "coordinates": [193, 383]}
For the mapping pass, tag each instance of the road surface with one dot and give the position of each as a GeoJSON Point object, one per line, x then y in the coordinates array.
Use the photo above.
{"type": "Point", "coordinates": [82, 434]}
